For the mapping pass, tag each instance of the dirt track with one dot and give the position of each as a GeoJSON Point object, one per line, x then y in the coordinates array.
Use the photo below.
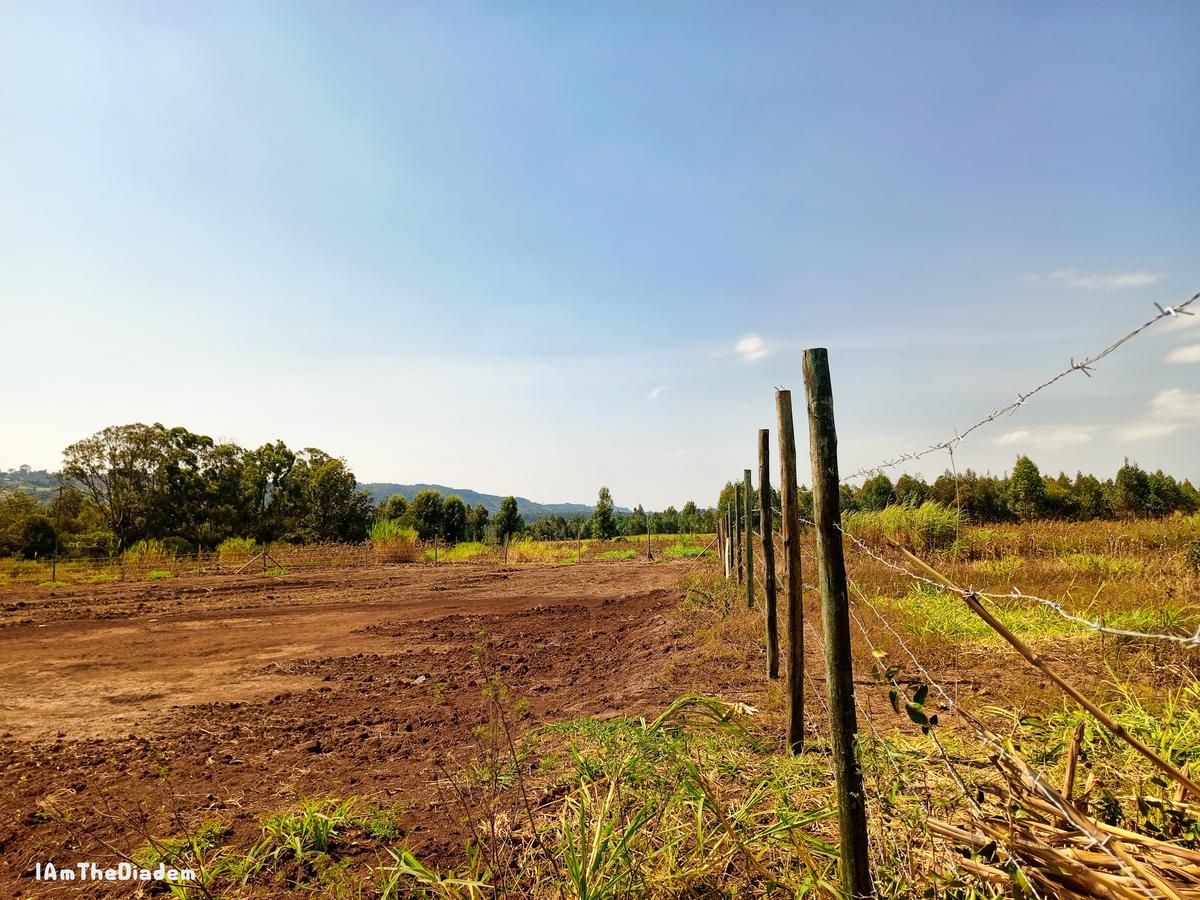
{"type": "Point", "coordinates": [235, 695]}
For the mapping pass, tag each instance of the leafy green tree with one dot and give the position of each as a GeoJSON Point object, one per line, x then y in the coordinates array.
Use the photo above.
{"type": "Point", "coordinates": [393, 508]}
{"type": "Point", "coordinates": [1090, 498]}
{"type": "Point", "coordinates": [477, 523]}
{"type": "Point", "coordinates": [1130, 494]}
{"type": "Point", "coordinates": [426, 513]}
{"type": "Point", "coordinates": [38, 537]}
{"type": "Point", "coordinates": [634, 523]}
{"type": "Point", "coordinates": [508, 521]}
{"type": "Point", "coordinates": [454, 519]}
{"type": "Point", "coordinates": [604, 524]}
{"type": "Point", "coordinates": [877, 492]}
{"type": "Point", "coordinates": [911, 490]}
{"type": "Point", "coordinates": [1026, 490]}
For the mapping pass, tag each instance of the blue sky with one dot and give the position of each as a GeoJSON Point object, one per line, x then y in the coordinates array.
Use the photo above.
{"type": "Point", "coordinates": [516, 246]}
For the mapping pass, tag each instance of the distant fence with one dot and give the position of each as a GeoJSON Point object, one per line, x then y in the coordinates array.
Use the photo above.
{"type": "Point", "coordinates": [283, 558]}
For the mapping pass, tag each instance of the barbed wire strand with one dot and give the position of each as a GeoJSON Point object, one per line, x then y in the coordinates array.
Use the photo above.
{"type": "Point", "coordinates": [1085, 366]}
{"type": "Point", "coordinates": [1068, 813]}
{"type": "Point", "coordinates": [1015, 593]}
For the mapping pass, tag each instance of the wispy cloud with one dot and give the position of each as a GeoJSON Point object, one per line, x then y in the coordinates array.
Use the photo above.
{"type": "Point", "coordinates": [1188, 354]}
{"type": "Point", "coordinates": [1045, 438]}
{"type": "Point", "coordinates": [1111, 282]}
{"type": "Point", "coordinates": [1170, 410]}
{"type": "Point", "coordinates": [656, 392]}
{"type": "Point", "coordinates": [751, 348]}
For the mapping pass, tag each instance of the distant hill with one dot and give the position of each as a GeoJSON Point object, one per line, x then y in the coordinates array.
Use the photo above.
{"type": "Point", "coordinates": [529, 510]}
{"type": "Point", "coordinates": [42, 485]}
{"type": "Point", "coordinates": [38, 482]}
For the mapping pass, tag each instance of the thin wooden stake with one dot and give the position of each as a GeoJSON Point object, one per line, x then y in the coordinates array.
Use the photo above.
{"type": "Point", "coordinates": [835, 617]}
{"type": "Point", "coordinates": [790, 514]}
{"type": "Point", "coordinates": [766, 529]}
{"type": "Point", "coordinates": [1066, 687]}
{"type": "Point", "coordinates": [748, 491]}
{"type": "Point", "coordinates": [1072, 759]}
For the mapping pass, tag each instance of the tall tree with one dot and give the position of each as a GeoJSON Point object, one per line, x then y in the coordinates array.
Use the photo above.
{"type": "Point", "coordinates": [477, 523]}
{"type": "Point", "coordinates": [1026, 489]}
{"type": "Point", "coordinates": [426, 512]}
{"type": "Point", "coordinates": [604, 524]}
{"type": "Point", "coordinates": [508, 521]}
{"type": "Point", "coordinates": [454, 519]}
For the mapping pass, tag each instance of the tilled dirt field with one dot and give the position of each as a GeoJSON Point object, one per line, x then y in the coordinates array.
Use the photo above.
{"type": "Point", "coordinates": [229, 697]}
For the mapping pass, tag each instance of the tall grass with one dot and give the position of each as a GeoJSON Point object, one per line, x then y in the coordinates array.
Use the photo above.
{"type": "Point", "coordinates": [393, 542]}
{"type": "Point", "coordinates": [930, 526]}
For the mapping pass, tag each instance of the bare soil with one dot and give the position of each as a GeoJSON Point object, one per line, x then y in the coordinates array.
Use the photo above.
{"type": "Point", "coordinates": [130, 704]}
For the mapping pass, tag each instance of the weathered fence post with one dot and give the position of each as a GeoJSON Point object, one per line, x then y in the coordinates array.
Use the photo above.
{"type": "Point", "coordinates": [748, 490]}
{"type": "Point", "coordinates": [766, 528]}
{"type": "Point", "coordinates": [737, 528]}
{"type": "Point", "coordinates": [729, 544]}
{"type": "Point", "coordinates": [649, 554]}
{"type": "Point", "coordinates": [791, 567]}
{"type": "Point", "coordinates": [835, 618]}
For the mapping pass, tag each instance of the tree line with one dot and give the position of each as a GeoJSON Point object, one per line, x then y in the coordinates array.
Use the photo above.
{"type": "Point", "coordinates": [129, 483]}
{"type": "Point", "coordinates": [1023, 495]}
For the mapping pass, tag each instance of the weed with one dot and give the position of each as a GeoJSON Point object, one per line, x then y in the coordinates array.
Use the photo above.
{"type": "Point", "coordinates": [158, 575]}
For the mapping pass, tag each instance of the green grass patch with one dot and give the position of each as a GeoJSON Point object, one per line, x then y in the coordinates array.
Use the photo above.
{"type": "Point", "coordinates": [158, 575]}
{"type": "Point", "coordinates": [1104, 565]}
{"type": "Point", "coordinates": [927, 612]}
{"type": "Point", "coordinates": [617, 554]}
{"type": "Point", "coordinates": [458, 553]}
{"type": "Point", "coordinates": [52, 584]}
{"type": "Point", "coordinates": [684, 551]}
{"type": "Point", "coordinates": [930, 526]}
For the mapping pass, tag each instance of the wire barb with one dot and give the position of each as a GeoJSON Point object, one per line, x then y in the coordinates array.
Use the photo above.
{"type": "Point", "coordinates": [1087, 366]}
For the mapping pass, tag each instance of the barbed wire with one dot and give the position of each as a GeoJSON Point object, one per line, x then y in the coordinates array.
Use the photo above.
{"type": "Point", "coordinates": [1085, 366]}
{"type": "Point", "coordinates": [1065, 810]}
{"type": "Point", "coordinates": [1192, 640]}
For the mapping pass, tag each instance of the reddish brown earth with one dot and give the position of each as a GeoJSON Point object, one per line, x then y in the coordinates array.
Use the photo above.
{"type": "Point", "coordinates": [228, 697]}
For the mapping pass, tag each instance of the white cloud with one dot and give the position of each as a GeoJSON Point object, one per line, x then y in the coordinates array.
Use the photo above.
{"type": "Point", "coordinates": [656, 392]}
{"type": "Point", "coordinates": [1178, 404]}
{"type": "Point", "coordinates": [1014, 437]}
{"type": "Point", "coordinates": [1110, 282]}
{"type": "Point", "coordinates": [1188, 354]}
{"type": "Point", "coordinates": [1048, 437]}
{"type": "Point", "coordinates": [751, 348]}
{"type": "Point", "coordinates": [1169, 411]}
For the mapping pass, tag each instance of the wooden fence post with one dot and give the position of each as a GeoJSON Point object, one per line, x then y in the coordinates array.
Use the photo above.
{"type": "Point", "coordinates": [790, 526]}
{"type": "Point", "coordinates": [649, 553]}
{"type": "Point", "coordinates": [737, 528]}
{"type": "Point", "coordinates": [748, 491]}
{"type": "Point", "coordinates": [766, 528]}
{"type": "Point", "coordinates": [729, 544]}
{"type": "Point", "coordinates": [835, 618]}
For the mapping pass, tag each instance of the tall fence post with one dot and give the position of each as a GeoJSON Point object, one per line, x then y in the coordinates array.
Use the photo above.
{"type": "Point", "coordinates": [790, 526]}
{"type": "Point", "coordinates": [748, 490]}
{"type": "Point", "coordinates": [729, 544]}
{"type": "Point", "coordinates": [737, 528]}
{"type": "Point", "coordinates": [766, 528]}
{"type": "Point", "coordinates": [835, 618]}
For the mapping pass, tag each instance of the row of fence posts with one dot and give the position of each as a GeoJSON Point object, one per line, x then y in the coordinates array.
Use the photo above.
{"type": "Point", "coordinates": [736, 542]}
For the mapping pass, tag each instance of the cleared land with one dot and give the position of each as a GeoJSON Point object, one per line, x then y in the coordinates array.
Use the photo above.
{"type": "Point", "coordinates": [142, 709]}
{"type": "Point", "coordinates": [252, 691]}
